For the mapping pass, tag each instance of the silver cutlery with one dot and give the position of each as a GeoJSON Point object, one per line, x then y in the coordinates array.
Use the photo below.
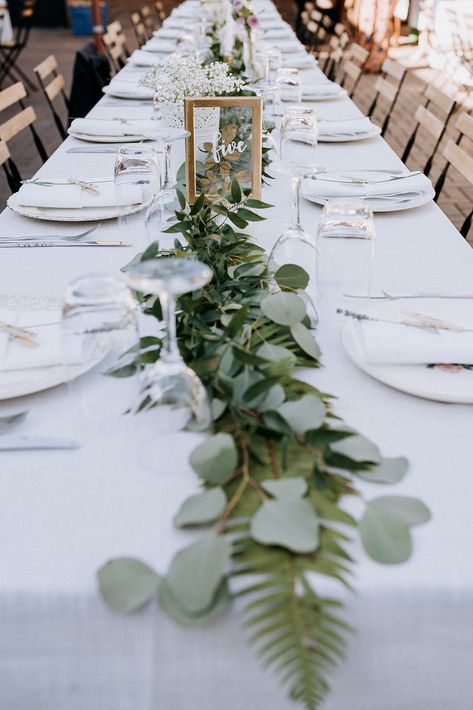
{"type": "Point", "coordinates": [7, 244]}
{"type": "Point", "coordinates": [91, 149]}
{"type": "Point", "coordinates": [10, 421]}
{"type": "Point", "coordinates": [24, 443]}
{"type": "Point", "coordinates": [69, 181]}
{"type": "Point", "coordinates": [358, 180]}
{"type": "Point", "coordinates": [390, 297]}
{"type": "Point", "coordinates": [50, 237]}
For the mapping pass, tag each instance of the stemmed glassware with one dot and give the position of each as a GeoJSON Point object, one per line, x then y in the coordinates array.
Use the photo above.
{"type": "Point", "coordinates": [289, 85]}
{"type": "Point", "coordinates": [170, 389]}
{"type": "Point", "coordinates": [298, 143]}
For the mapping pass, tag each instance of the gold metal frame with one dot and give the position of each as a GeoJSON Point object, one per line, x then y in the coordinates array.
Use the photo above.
{"type": "Point", "coordinates": [256, 105]}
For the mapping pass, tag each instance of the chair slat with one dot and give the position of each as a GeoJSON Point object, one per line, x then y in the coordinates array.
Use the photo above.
{"type": "Point", "coordinates": [351, 69]}
{"type": "Point", "coordinates": [393, 69]}
{"type": "Point", "coordinates": [358, 54]}
{"type": "Point", "coordinates": [11, 95]}
{"type": "Point", "coordinates": [433, 125]}
{"type": "Point", "coordinates": [464, 124]}
{"type": "Point", "coordinates": [4, 153]}
{"type": "Point", "coordinates": [383, 87]}
{"type": "Point", "coordinates": [47, 67]}
{"type": "Point", "coordinates": [443, 101]}
{"type": "Point", "coordinates": [16, 124]}
{"type": "Point", "coordinates": [55, 87]}
{"type": "Point", "coordinates": [459, 159]}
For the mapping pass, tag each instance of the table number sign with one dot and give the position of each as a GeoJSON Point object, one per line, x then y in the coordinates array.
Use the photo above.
{"type": "Point", "coordinates": [225, 142]}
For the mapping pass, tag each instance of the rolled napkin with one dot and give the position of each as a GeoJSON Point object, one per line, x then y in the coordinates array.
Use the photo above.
{"type": "Point", "coordinates": [162, 46]}
{"type": "Point", "coordinates": [49, 350]}
{"type": "Point", "coordinates": [324, 186]}
{"type": "Point", "coordinates": [321, 91]}
{"type": "Point", "coordinates": [397, 344]}
{"type": "Point", "coordinates": [345, 128]}
{"type": "Point", "coordinates": [63, 195]}
{"type": "Point", "coordinates": [119, 128]}
{"type": "Point", "coordinates": [140, 58]}
{"type": "Point", "coordinates": [127, 90]}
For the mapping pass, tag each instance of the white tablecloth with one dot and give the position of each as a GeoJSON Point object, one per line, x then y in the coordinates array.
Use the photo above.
{"type": "Point", "coordinates": [63, 514]}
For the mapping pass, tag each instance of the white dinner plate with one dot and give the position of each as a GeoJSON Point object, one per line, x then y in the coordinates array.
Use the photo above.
{"type": "Point", "coordinates": [438, 382]}
{"type": "Point", "coordinates": [56, 214]}
{"type": "Point", "coordinates": [140, 94]}
{"type": "Point", "coordinates": [108, 139]}
{"type": "Point", "coordinates": [19, 383]}
{"type": "Point", "coordinates": [337, 93]}
{"type": "Point", "coordinates": [375, 131]}
{"type": "Point", "coordinates": [376, 204]}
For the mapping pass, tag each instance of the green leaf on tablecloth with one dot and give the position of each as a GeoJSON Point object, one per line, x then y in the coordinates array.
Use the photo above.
{"type": "Point", "coordinates": [385, 536]}
{"type": "Point", "coordinates": [303, 414]}
{"type": "Point", "coordinates": [291, 276]}
{"type": "Point", "coordinates": [357, 448]}
{"type": "Point", "coordinates": [126, 584]}
{"type": "Point", "coordinates": [215, 458]}
{"type": "Point", "coordinates": [275, 353]}
{"type": "Point", "coordinates": [197, 571]}
{"type": "Point", "coordinates": [411, 510]}
{"type": "Point", "coordinates": [305, 340]}
{"type": "Point", "coordinates": [288, 523]}
{"type": "Point", "coordinates": [175, 611]}
{"type": "Point", "coordinates": [283, 308]}
{"type": "Point", "coordinates": [286, 488]}
{"type": "Point", "coordinates": [201, 509]}
{"type": "Point", "coordinates": [388, 471]}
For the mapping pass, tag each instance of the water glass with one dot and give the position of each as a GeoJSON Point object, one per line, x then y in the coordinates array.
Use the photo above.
{"type": "Point", "coordinates": [137, 181]}
{"type": "Point", "coordinates": [289, 85]}
{"type": "Point", "coordinates": [345, 249]}
{"type": "Point", "coordinates": [100, 342]}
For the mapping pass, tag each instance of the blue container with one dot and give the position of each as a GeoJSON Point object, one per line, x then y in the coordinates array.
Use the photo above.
{"type": "Point", "coordinates": [81, 19]}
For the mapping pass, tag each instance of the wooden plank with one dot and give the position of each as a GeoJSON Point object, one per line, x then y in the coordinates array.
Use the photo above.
{"type": "Point", "coordinates": [431, 123]}
{"type": "Point", "coordinates": [16, 124]}
{"type": "Point", "coordinates": [393, 69]}
{"type": "Point", "coordinates": [444, 102]}
{"type": "Point", "coordinates": [55, 87]}
{"type": "Point", "coordinates": [358, 54]}
{"type": "Point", "coordinates": [464, 124]}
{"type": "Point", "coordinates": [11, 95]}
{"type": "Point", "coordinates": [383, 87]}
{"type": "Point", "coordinates": [460, 160]}
{"type": "Point", "coordinates": [350, 69]}
{"type": "Point", "coordinates": [46, 67]}
{"type": "Point", "coordinates": [4, 154]}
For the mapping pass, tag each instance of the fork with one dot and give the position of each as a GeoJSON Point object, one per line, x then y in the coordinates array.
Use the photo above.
{"type": "Point", "coordinates": [60, 237]}
{"type": "Point", "coordinates": [12, 420]}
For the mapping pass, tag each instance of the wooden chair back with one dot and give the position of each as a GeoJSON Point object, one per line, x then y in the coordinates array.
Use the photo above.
{"type": "Point", "coordinates": [138, 28]}
{"type": "Point", "coordinates": [160, 11]}
{"type": "Point", "coordinates": [13, 126]}
{"type": "Point", "coordinates": [387, 88]}
{"type": "Point", "coordinates": [115, 51]}
{"type": "Point", "coordinates": [149, 20]}
{"type": "Point", "coordinates": [115, 29]}
{"type": "Point", "coordinates": [461, 160]}
{"type": "Point", "coordinates": [52, 85]}
{"type": "Point", "coordinates": [351, 67]}
{"type": "Point", "coordinates": [430, 123]}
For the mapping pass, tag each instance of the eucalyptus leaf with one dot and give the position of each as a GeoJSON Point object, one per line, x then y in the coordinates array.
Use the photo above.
{"type": "Point", "coordinates": [273, 399]}
{"type": "Point", "coordinates": [283, 308]}
{"type": "Point", "coordinates": [201, 509]}
{"type": "Point", "coordinates": [126, 584]}
{"type": "Point", "coordinates": [291, 276]}
{"type": "Point", "coordinates": [387, 471]}
{"type": "Point", "coordinates": [286, 488]}
{"type": "Point", "coordinates": [305, 340]}
{"type": "Point", "coordinates": [197, 571]}
{"type": "Point", "coordinates": [385, 536]}
{"type": "Point", "coordinates": [215, 458]}
{"type": "Point", "coordinates": [177, 613]}
{"type": "Point", "coordinates": [357, 448]}
{"type": "Point", "coordinates": [288, 523]}
{"type": "Point", "coordinates": [268, 351]}
{"type": "Point", "coordinates": [411, 510]}
{"type": "Point", "coordinates": [217, 408]}
{"type": "Point", "coordinates": [303, 414]}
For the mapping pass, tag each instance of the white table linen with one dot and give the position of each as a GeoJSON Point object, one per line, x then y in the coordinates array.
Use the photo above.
{"type": "Point", "coordinates": [63, 514]}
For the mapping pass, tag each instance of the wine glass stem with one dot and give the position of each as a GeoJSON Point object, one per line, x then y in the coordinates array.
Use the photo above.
{"type": "Point", "coordinates": [170, 351]}
{"type": "Point", "coordinates": [296, 203]}
{"type": "Point", "coordinates": [167, 181]}
{"type": "Point", "coordinates": [156, 106]}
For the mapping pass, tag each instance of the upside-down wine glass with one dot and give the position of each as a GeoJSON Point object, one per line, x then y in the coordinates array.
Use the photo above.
{"type": "Point", "coordinates": [169, 388]}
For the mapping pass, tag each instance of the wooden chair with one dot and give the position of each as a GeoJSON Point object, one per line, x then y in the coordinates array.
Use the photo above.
{"type": "Point", "coordinates": [149, 20]}
{"type": "Point", "coordinates": [114, 50]}
{"type": "Point", "coordinates": [428, 122]}
{"type": "Point", "coordinates": [5, 162]}
{"type": "Point", "coordinates": [351, 67]}
{"type": "Point", "coordinates": [461, 160]}
{"type": "Point", "coordinates": [387, 89]}
{"type": "Point", "coordinates": [10, 50]}
{"type": "Point", "coordinates": [160, 12]}
{"type": "Point", "coordinates": [16, 124]}
{"type": "Point", "coordinates": [138, 28]}
{"type": "Point", "coordinates": [52, 89]}
{"type": "Point", "coordinates": [330, 59]}
{"type": "Point", "coordinates": [115, 29]}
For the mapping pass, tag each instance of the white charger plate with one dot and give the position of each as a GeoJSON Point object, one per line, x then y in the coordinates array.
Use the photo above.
{"type": "Point", "coordinates": [378, 204]}
{"type": "Point", "coordinates": [52, 214]}
{"type": "Point", "coordinates": [338, 93]}
{"type": "Point", "coordinates": [375, 131]}
{"type": "Point", "coordinates": [142, 93]}
{"type": "Point", "coordinates": [441, 384]}
{"type": "Point", "coordinates": [19, 383]}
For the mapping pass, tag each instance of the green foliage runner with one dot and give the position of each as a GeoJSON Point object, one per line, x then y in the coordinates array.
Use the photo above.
{"type": "Point", "coordinates": [274, 470]}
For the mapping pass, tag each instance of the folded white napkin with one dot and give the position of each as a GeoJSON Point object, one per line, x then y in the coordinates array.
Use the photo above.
{"type": "Point", "coordinates": [160, 46]}
{"type": "Point", "coordinates": [50, 350]}
{"type": "Point", "coordinates": [282, 31]}
{"type": "Point", "coordinates": [287, 45]}
{"type": "Point", "coordinates": [167, 33]}
{"type": "Point", "coordinates": [315, 91]}
{"type": "Point", "coordinates": [118, 128]}
{"type": "Point", "coordinates": [67, 196]}
{"type": "Point", "coordinates": [355, 127]}
{"type": "Point", "coordinates": [181, 23]}
{"type": "Point", "coordinates": [299, 61]}
{"type": "Point", "coordinates": [271, 22]}
{"type": "Point", "coordinates": [408, 187]}
{"type": "Point", "coordinates": [388, 343]}
{"type": "Point", "coordinates": [140, 58]}
{"type": "Point", "coordinates": [127, 90]}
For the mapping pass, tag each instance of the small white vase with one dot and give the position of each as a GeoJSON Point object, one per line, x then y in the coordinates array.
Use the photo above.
{"type": "Point", "coordinates": [207, 119]}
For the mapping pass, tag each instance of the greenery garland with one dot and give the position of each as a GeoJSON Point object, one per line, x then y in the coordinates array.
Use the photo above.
{"type": "Point", "coordinates": [276, 468]}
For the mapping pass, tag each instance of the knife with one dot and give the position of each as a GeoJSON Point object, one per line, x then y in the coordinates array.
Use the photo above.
{"type": "Point", "coordinates": [91, 149]}
{"type": "Point", "coordinates": [23, 443]}
{"type": "Point", "coordinates": [7, 244]}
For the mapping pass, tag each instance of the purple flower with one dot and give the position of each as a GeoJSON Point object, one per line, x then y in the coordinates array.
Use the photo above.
{"type": "Point", "coordinates": [237, 4]}
{"type": "Point", "coordinates": [240, 20]}
{"type": "Point", "coordinates": [253, 21]}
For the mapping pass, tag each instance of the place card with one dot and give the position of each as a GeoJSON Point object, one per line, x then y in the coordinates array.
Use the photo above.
{"type": "Point", "coordinates": [225, 142]}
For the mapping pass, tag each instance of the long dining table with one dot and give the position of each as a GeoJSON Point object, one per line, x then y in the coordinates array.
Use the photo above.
{"type": "Point", "coordinates": [63, 514]}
